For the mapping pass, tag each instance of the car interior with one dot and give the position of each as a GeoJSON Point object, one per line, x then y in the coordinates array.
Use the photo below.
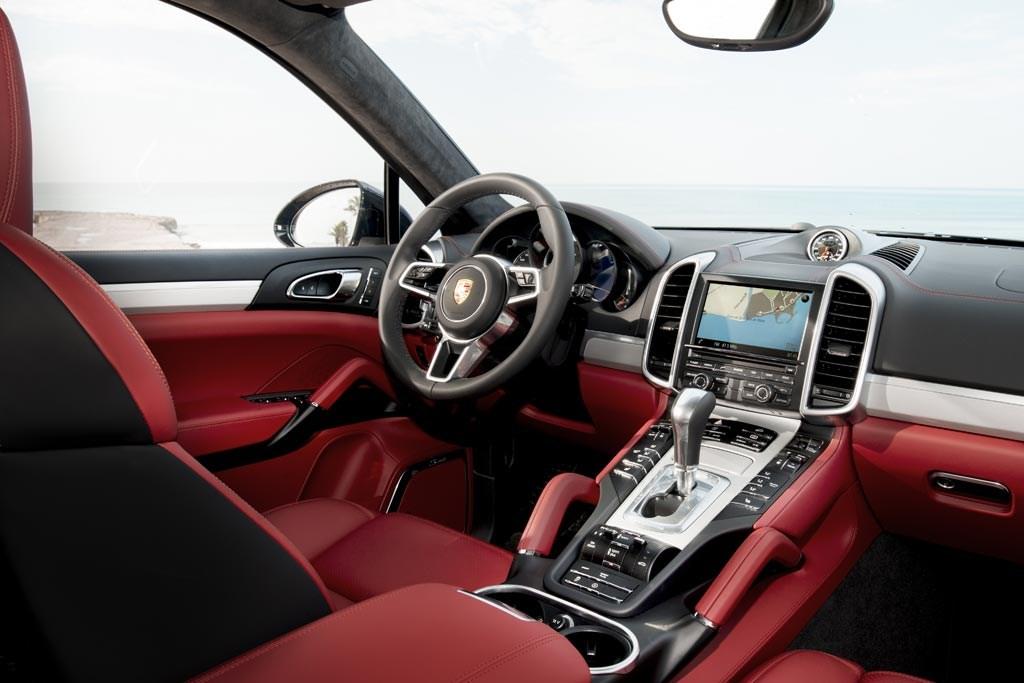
{"type": "Point", "coordinates": [507, 438]}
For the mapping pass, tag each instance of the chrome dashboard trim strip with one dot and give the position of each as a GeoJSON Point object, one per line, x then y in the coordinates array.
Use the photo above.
{"type": "Point", "coordinates": [177, 297]}
{"type": "Point", "coordinates": [617, 351]}
{"type": "Point", "coordinates": [624, 666]}
{"type": "Point", "coordinates": [873, 285]}
{"type": "Point", "coordinates": [978, 411]}
{"type": "Point", "coordinates": [699, 262]}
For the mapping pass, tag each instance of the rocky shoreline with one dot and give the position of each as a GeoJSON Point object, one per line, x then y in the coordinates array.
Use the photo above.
{"type": "Point", "coordinates": [79, 230]}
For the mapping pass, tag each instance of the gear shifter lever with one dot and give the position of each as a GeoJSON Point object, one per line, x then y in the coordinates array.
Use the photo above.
{"type": "Point", "coordinates": [689, 414]}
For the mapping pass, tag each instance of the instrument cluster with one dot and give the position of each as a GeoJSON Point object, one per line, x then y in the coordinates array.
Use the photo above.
{"type": "Point", "coordinates": [604, 275]}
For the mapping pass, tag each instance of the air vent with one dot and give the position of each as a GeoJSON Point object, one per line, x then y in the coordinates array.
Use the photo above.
{"type": "Point", "coordinates": [841, 348]}
{"type": "Point", "coordinates": [901, 254]}
{"type": "Point", "coordinates": [668, 316]}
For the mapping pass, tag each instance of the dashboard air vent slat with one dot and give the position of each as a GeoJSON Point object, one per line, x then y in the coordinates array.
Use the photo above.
{"type": "Point", "coordinates": [842, 345]}
{"type": "Point", "coordinates": [667, 318]}
{"type": "Point", "coordinates": [900, 254]}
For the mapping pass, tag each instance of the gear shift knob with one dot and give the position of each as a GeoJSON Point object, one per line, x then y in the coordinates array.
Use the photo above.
{"type": "Point", "coordinates": [689, 415]}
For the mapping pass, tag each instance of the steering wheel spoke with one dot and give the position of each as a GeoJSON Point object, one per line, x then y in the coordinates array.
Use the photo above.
{"type": "Point", "coordinates": [419, 275]}
{"type": "Point", "coordinates": [526, 284]}
{"type": "Point", "coordinates": [454, 359]}
{"type": "Point", "coordinates": [459, 358]}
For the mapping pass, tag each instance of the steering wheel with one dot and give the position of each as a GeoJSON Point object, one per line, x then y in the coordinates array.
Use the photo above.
{"type": "Point", "coordinates": [480, 298]}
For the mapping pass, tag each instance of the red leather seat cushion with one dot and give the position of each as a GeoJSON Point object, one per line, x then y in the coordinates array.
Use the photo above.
{"type": "Point", "coordinates": [809, 665]}
{"type": "Point", "coordinates": [360, 554]}
{"type": "Point", "coordinates": [427, 633]}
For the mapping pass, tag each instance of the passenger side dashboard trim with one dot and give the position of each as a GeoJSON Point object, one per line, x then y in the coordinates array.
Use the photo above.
{"type": "Point", "coordinates": [941, 405]}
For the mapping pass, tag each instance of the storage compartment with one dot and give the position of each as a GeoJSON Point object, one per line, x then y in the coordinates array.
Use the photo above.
{"type": "Point", "coordinates": [945, 487]}
{"type": "Point", "coordinates": [606, 645]}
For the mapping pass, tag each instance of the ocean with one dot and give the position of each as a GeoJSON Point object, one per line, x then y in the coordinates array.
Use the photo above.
{"type": "Point", "coordinates": [225, 215]}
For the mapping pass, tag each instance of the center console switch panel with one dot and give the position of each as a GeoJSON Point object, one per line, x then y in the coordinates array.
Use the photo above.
{"type": "Point", "coordinates": [642, 458]}
{"type": "Point", "coordinates": [614, 563]}
{"type": "Point", "coordinates": [646, 453]}
{"type": "Point", "coordinates": [769, 482]}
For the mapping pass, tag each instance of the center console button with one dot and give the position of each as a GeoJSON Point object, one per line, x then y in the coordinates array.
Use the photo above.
{"type": "Point", "coordinates": [763, 393]}
{"type": "Point", "coordinates": [755, 503]}
{"type": "Point", "coordinates": [560, 622]}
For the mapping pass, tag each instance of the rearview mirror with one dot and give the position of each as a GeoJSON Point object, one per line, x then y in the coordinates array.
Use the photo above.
{"type": "Point", "coordinates": [746, 25]}
{"type": "Point", "coordinates": [340, 213]}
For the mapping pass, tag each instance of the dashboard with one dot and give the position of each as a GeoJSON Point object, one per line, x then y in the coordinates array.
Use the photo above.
{"type": "Point", "coordinates": [884, 323]}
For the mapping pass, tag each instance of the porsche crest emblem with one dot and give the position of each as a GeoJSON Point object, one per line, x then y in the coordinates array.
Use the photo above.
{"type": "Point", "coordinates": [463, 288]}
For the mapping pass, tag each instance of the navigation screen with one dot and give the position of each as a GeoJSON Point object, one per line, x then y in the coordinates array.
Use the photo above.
{"type": "Point", "coordinates": [754, 319]}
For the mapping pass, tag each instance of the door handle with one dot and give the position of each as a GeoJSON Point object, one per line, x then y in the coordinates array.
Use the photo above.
{"type": "Point", "coordinates": [326, 284]}
{"type": "Point", "coordinates": [983, 490]}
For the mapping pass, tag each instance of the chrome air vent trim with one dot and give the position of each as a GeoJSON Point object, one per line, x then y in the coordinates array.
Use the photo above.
{"type": "Point", "coordinates": [875, 290]}
{"type": "Point", "coordinates": [699, 262]}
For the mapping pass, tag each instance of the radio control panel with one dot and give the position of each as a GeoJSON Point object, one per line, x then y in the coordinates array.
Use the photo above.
{"type": "Point", "coordinates": [761, 382]}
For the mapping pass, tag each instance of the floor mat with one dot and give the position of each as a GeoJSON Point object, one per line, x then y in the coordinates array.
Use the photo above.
{"type": "Point", "coordinates": [923, 610]}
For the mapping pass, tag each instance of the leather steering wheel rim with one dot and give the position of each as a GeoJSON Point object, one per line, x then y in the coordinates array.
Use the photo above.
{"type": "Point", "coordinates": [552, 289]}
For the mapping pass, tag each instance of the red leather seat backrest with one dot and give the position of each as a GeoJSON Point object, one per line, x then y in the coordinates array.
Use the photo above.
{"type": "Point", "coordinates": [15, 135]}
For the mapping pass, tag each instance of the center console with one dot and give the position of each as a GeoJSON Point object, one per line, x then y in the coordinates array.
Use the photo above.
{"type": "Point", "coordinates": [678, 501]}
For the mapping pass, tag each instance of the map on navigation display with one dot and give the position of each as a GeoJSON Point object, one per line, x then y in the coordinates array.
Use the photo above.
{"type": "Point", "coordinates": [737, 316]}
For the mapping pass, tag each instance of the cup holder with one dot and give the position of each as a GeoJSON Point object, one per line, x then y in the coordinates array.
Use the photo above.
{"type": "Point", "coordinates": [600, 647]}
{"type": "Point", "coordinates": [606, 645]}
{"type": "Point", "coordinates": [527, 604]}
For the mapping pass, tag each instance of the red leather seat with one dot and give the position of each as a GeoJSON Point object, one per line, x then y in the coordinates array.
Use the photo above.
{"type": "Point", "coordinates": [809, 665]}
{"type": "Point", "coordinates": [122, 557]}
{"type": "Point", "coordinates": [360, 554]}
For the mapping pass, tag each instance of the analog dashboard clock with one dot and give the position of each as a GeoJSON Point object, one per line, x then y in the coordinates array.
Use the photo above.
{"type": "Point", "coordinates": [827, 245]}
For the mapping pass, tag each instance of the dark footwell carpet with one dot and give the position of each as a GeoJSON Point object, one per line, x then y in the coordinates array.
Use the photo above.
{"type": "Point", "coordinates": [926, 611]}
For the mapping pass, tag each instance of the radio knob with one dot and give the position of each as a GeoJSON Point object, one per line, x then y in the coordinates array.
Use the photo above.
{"type": "Point", "coordinates": [702, 380]}
{"type": "Point", "coordinates": [764, 393]}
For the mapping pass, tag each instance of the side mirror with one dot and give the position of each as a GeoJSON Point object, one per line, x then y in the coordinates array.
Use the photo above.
{"type": "Point", "coordinates": [746, 25]}
{"type": "Point", "coordinates": [340, 213]}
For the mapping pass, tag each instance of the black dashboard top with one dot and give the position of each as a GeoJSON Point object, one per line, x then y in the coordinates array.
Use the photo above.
{"type": "Point", "coordinates": [953, 313]}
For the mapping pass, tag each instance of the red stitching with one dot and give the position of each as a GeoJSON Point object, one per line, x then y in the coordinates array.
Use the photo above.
{"type": "Point", "coordinates": [505, 658]}
{"type": "Point", "coordinates": [12, 125]}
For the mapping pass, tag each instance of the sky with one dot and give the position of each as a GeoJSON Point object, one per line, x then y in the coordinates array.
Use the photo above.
{"type": "Point", "coordinates": [891, 93]}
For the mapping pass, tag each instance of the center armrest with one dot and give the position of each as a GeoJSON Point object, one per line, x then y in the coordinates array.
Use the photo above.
{"type": "Point", "coordinates": [425, 633]}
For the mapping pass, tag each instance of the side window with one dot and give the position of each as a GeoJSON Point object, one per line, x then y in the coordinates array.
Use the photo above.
{"type": "Point", "coordinates": [153, 129]}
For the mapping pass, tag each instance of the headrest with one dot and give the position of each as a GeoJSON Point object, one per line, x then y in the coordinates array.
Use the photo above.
{"type": "Point", "coordinates": [74, 372]}
{"type": "Point", "coordinates": [15, 135]}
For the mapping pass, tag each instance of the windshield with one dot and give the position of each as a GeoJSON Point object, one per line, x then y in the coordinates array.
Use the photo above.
{"type": "Point", "coordinates": [901, 116]}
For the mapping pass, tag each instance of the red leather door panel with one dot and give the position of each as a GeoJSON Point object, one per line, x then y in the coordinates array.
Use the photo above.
{"type": "Point", "coordinates": [213, 359]}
